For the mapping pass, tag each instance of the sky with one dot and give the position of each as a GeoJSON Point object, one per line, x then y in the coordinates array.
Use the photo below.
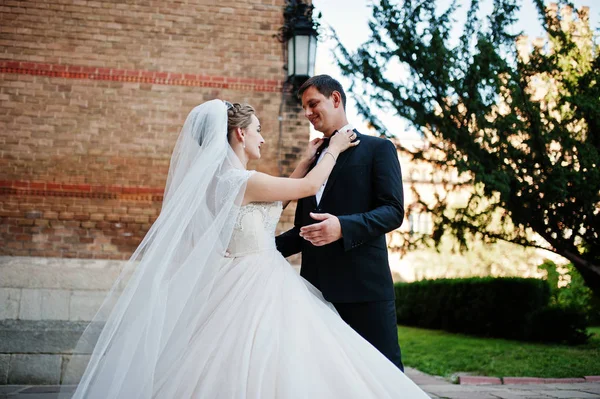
{"type": "Point", "coordinates": [350, 20]}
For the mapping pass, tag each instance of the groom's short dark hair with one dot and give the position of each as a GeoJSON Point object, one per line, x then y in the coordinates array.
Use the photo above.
{"type": "Point", "coordinates": [326, 85]}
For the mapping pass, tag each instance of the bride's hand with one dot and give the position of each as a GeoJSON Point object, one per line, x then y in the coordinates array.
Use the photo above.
{"type": "Point", "coordinates": [343, 140]}
{"type": "Point", "coordinates": [311, 151]}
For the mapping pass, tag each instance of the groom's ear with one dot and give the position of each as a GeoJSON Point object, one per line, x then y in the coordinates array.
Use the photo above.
{"type": "Point", "coordinates": [337, 99]}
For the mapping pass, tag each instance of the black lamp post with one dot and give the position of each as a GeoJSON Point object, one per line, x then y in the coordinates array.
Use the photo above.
{"type": "Point", "coordinates": [299, 34]}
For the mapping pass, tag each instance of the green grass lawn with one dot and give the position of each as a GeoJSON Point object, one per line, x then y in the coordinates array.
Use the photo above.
{"type": "Point", "coordinates": [441, 353]}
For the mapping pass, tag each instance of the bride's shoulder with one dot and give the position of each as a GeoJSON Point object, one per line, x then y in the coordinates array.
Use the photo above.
{"type": "Point", "coordinates": [235, 176]}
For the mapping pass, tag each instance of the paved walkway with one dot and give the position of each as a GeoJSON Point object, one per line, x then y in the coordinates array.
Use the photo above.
{"type": "Point", "coordinates": [437, 387]}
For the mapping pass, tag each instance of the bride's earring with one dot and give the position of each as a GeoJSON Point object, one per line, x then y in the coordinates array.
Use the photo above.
{"type": "Point", "coordinates": [244, 145]}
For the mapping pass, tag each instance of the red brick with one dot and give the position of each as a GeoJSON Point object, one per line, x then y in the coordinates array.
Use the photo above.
{"type": "Point", "coordinates": [66, 215]}
{"type": "Point", "coordinates": [478, 380]}
{"type": "Point", "coordinates": [10, 214]}
{"type": "Point", "coordinates": [115, 189]}
{"type": "Point", "coordinates": [127, 219]}
{"type": "Point", "coordinates": [132, 73]}
{"type": "Point", "coordinates": [25, 222]}
{"type": "Point", "coordinates": [23, 237]}
{"type": "Point", "coordinates": [96, 216]}
{"type": "Point", "coordinates": [74, 68]}
{"type": "Point", "coordinates": [103, 225]}
{"type": "Point", "coordinates": [111, 217]}
{"type": "Point", "coordinates": [89, 70]}
{"type": "Point", "coordinates": [71, 187]}
{"type": "Point", "coordinates": [142, 219]}
{"type": "Point", "coordinates": [592, 378]}
{"type": "Point", "coordinates": [37, 185]}
{"type": "Point", "coordinates": [98, 189]}
{"type": "Point", "coordinates": [50, 215]}
{"type": "Point", "coordinates": [563, 380]}
{"type": "Point", "coordinates": [129, 190]}
{"type": "Point", "coordinates": [21, 184]}
{"type": "Point", "coordinates": [81, 216]}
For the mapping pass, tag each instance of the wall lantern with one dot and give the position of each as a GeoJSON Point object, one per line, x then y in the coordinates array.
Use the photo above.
{"type": "Point", "coordinates": [299, 35]}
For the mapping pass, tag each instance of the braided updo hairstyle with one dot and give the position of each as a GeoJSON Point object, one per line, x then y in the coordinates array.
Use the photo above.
{"type": "Point", "coordinates": [238, 115]}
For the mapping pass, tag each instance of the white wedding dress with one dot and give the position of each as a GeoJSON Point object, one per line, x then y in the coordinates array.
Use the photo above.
{"type": "Point", "coordinates": [208, 308]}
{"type": "Point", "coordinates": [268, 333]}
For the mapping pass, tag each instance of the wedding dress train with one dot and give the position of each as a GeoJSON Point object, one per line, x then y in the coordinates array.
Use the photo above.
{"type": "Point", "coordinates": [268, 333]}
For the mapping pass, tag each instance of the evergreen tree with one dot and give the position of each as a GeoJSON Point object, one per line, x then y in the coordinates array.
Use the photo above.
{"type": "Point", "coordinates": [520, 127]}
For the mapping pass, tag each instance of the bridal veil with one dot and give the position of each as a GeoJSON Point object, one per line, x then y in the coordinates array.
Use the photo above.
{"type": "Point", "coordinates": [144, 325]}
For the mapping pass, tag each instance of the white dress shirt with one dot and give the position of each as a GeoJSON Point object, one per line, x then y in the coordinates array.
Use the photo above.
{"type": "Point", "coordinates": [322, 188]}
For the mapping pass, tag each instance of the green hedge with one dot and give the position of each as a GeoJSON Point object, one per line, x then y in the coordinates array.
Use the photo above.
{"type": "Point", "coordinates": [559, 324]}
{"type": "Point", "coordinates": [490, 307]}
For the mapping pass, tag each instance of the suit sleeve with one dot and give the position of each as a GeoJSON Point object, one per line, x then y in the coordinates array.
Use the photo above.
{"type": "Point", "coordinates": [290, 242]}
{"type": "Point", "coordinates": [388, 213]}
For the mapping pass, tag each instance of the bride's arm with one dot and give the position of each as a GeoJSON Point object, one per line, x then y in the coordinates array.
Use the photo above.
{"type": "Point", "coordinates": [298, 173]}
{"type": "Point", "coordinates": [265, 188]}
{"type": "Point", "coordinates": [305, 163]}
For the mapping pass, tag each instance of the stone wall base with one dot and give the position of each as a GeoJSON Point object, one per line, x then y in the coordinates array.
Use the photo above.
{"type": "Point", "coordinates": [38, 352]}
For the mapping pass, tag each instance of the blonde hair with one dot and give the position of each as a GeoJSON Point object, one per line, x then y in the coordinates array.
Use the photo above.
{"type": "Point", "coordinates": [238, 115]}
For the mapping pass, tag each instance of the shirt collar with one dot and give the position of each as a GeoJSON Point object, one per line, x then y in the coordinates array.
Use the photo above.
{"type": "Point", "coordinates": [347, 127]}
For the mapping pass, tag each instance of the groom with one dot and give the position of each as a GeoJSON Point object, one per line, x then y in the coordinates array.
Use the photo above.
{"type": "Point", "coordinates": [341, 230]}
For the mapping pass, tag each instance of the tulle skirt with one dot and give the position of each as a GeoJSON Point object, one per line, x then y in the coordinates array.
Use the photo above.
{"type": "Point", "coordinates": [268, 333]}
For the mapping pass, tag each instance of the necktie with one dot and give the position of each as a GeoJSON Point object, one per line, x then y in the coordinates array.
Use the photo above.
{"type": "Point", "coordinates": [322, 148]}
{"type": "Point", "coordinates": [325, 143]}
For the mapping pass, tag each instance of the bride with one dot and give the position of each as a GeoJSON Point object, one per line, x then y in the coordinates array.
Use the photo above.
{"type": "Point", "coordinates": [207, 307]}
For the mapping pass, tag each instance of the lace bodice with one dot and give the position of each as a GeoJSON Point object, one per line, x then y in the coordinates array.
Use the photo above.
{"type": "Point", "coordinates": [254, 229]}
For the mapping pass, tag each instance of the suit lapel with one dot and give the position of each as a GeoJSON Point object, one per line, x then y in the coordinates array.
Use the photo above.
{"type": "Point", "coordinates": [339, 165]}
{"type": "Point", "coordinates": [312, 200]}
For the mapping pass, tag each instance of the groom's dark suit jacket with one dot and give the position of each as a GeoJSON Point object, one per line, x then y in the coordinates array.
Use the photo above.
{"type": "Point", "coordinates": [364, 191]}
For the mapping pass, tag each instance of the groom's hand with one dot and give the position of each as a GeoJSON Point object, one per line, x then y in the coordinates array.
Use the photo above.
{"type": "Point", "coordinates": [323, 233]}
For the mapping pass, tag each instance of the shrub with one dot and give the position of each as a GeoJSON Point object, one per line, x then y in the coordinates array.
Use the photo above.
{"type": "Point", "coordinates": [568, 290]}
{"type": "Point", "coordinates": [510, 308]}
{"type": "Point", "coordinates": [560, 325]}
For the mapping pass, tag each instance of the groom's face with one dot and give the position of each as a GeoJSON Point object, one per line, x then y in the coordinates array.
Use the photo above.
{"type": "Point", "coordinates": [319, 110]}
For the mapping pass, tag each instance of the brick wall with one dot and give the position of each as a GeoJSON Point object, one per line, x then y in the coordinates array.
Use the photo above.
{"type": "Point", "coordinates": [92, 97]}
